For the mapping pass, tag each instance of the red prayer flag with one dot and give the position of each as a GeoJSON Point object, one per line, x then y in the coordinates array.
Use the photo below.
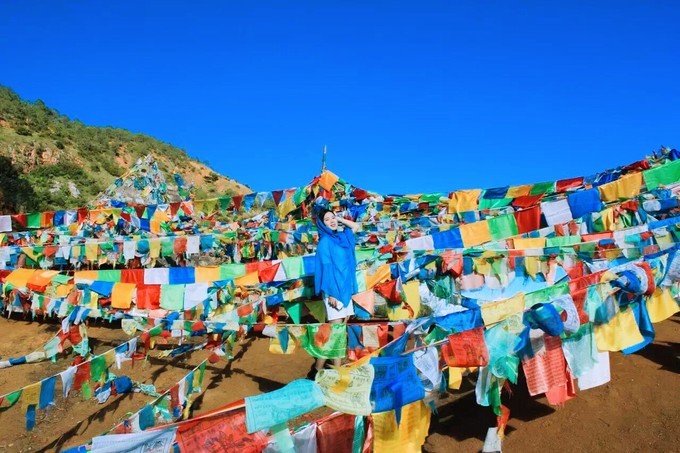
{"type": "Point", "coordinates": [528, 219]}
{"type": "Point", "coordinates": [268, 273]}
{"type": "Point", "coordinates": [135, 276]}
{"type": "Point", "coordinates": [148, 297]}
{"type": "Point", "coordinates": [566, 184]}
{"type": "Point", "coordinates": [335, 433]}
{"type": "Point", "coordinates": [221, 432]}
{"type": "Point", "coordinates": [467, 349]}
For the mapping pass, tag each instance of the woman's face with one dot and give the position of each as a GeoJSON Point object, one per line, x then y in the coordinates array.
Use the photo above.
{"type": "Point", "coordinates": [330, 221]}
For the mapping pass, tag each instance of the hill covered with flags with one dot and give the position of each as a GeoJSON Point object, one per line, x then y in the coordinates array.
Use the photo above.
{"type": "Point", "coordinates": [543, 279]}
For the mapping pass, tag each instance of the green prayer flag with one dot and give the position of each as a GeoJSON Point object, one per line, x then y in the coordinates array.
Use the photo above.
{"type": "Point", "coordinates": [598, 225]}
{"type": "Point", "coordinates": [587, 248]}
{"type": "Point", "coordinates": [225, 202]}
{"type": "Point", "coordinates": [201, 372]}
{"type": "Point", "coordinates": [364, 254]}
{"type": "Point", "coordinates": [503, 227]}
{"type": "Point", "coordinates": [494, 203]}
{"type": "Point", "coordinates": [545, 294]}
{"type": "Point", "coordinates": [294, 310]}
{"type": "Point", "coordinates": [172, 297]}
{"type": "Point", "coordinates": [431, 198]}
{"type": "Point", "coordinates": [33, 219]}
{"type": "Point", "coordinates": [559, 241]}
{"type": "Point", "coordinates": [109, 275]}
{"type": "Point", "coordinates": [542, 188]}
{"type": "Point", "coordinates": [98, 369]}
{"type": "Point", "coordinates": [668, 173]}
{"type": "Point", "coordinates": [299, 196]}
{"type": "Point", "coordinates": [437, 334]}
{"type": "Point", "coordinates": [167, 246]}
{"type": "Point", "coordinates": [61, 279]}
{"type": "Point", "coordinates": [359, 435]}
{"type": "Point", "coordinates": [495, 396]}
{"type": "Point", "coordinates": [9, 400]}
{"type": "Point", "coordinates": [293, 267]}
{"type": "Point", "coordinates": [334, 348]}
{"type": "Point", "coordinates": [86, 390]}
{"type": "Point", "coordinates": [317, 309]}
{"type": "Point", "coordinates": [232, 270]}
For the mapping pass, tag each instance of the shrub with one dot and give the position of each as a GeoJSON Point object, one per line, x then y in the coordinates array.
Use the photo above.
{"type": "Point", "coordinates": [23, 130]}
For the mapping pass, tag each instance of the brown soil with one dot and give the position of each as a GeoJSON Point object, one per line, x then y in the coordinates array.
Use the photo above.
{"type": "Point", "coordinates": [638, 411]}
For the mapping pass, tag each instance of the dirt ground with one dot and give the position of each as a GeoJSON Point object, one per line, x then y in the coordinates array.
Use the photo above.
{"type": "Point", "coordinates": [638, 411]}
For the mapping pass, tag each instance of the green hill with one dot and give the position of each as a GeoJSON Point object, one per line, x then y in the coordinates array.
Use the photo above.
{"type": "Point", "coordinates": [48, 161]}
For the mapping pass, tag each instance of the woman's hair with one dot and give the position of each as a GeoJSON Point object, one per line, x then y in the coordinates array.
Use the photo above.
{"type": "Point", "coordinates": [321, 214]}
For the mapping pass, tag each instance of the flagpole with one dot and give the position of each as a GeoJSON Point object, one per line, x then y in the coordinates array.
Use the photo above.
{"type": "Point", "coordinates": [323, 160]}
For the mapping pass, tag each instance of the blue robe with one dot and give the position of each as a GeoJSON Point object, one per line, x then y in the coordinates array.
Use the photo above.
{"type": "Point", "coordinates": [335, 267]}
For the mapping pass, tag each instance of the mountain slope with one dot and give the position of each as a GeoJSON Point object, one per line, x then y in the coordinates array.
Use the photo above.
{"type": "Point", "coordinates": [48, 161]}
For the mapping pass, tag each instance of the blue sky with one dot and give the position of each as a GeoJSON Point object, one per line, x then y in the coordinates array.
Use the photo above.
{"type": "Point", "coordinates": [409, 96]}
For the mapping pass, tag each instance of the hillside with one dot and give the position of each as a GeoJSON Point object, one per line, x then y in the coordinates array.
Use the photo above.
{"type": "Point", "coordinates": [49, 161]}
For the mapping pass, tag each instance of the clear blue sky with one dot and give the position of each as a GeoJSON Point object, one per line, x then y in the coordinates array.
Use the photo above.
{"type": "Point", "coordinates": [409, 96]}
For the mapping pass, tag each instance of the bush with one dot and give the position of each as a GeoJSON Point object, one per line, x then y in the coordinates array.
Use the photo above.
{"type": "Point", "coordinates": [23, 130]}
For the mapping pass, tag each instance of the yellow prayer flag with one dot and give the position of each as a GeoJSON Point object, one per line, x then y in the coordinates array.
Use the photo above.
{"type": "Point", "coordinates": [475, 233]}
{"type": "Point", "coordinates": [532, 265]}
{"type": "Point", "coordinates": [155, 226]}
{"type": "Point", "coordinates": [327, 180]}
{"type": "Point", "coordinates": [482, 266]}
{"type": "Point", "coordinates": [494, 312]}
{"type": "Point", "coordinates": [248, 279]}
{"type": "Point", "coordinates": [519, 191]}
{"type": "Point", "coordinates": [207, 274]}
{"type": "Point", "coordinates": [661, 305]}
{"type": "Point", "coordinates": [275, 346]}
{"type": "Point", "coordinates": [528, 243]}
{"type": "Point", "coordinates": [160, 216]}
{"type": "Point", "coordinates": [19, 278]}
{"type": "Point", "coordinates": [412, 299]}
{"type": "Point", "coordinates": [383, 274]}
{"type": "Point", "coordinates": [42, 278]}
{"type": "Point", "coordinates": [63, 290]}
{"type": "Point", "coordinates": [30, 395]}
{"type": "Point", "coordinates": [608, 220]}
{"type": "Point", "coordinates": [121, 295]}
{"type": "Point", "coordinates": [619, 333]}
{"type": "Point", "coordinates": [86, 275]}
{"type": "Point", "coordinates": [94, 300]}
{"type": "Point", "coordinates": [287, 206]}
{"type": "Point", "coordinates": [154, 248]}
{"type": "Point", "coordinates": [455, 377]}
{"type": "Point", "coordinates": [627, 186]}
{"type": "Point", "coordinates": [91, 251]}
{"type": "Point", "coordinates": [110, 357]}
{"type": "Point", "coordinates": [407, 437]}
{"type": "Point", "coordinates": [464, 200]}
